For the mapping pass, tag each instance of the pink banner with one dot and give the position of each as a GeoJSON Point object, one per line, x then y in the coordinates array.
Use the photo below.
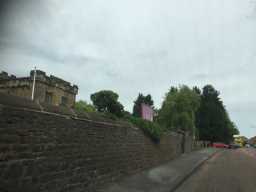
{"type": "Point", "coordinates": [147, 112]}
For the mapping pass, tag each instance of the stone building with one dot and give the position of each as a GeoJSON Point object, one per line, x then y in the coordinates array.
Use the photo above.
{"type": "Point", "coordinates": [48, 89]}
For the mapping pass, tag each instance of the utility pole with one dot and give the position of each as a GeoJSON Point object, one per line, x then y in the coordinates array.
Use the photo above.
{"type": "Point", "coordinates": [33, 88]}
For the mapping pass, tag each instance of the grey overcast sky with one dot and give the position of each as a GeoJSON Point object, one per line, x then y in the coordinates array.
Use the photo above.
{"type": "Point", "coordinates": [133, 46]}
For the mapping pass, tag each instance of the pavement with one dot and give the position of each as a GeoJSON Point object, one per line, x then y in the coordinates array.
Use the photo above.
{"type": "Point", "coordinates": [164, 178]}
{"type": "Point", "coordinates": [227, 171]}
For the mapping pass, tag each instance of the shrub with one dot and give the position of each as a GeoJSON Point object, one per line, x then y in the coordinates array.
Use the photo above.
{"type": "Point", "coordinates": [83, 106]}
{"type": "Point", "coordinates": [152, 129]}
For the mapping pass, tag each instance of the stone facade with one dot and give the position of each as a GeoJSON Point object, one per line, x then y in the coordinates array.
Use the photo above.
{"type": "Point", "coordinates": [47, 152]}
{"type": "Point", "coordinates": [50, 153]}
{"type": "Point", "coordinates": [48, 89]}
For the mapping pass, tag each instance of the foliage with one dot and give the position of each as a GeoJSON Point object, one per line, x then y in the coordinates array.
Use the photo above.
{"type": "Point", "coordinates": [137, 103]}
{"type": "Point", "coordinates": [179, 108]}
{"type": "Point", "coordinates": [107, 101]}
{"type": "Point", "coordinates": [212, 119]}
{"type": "Point", "coordinates": [153, 129]}
{"type": "Point", "coordinates": [199, 112]}
{"type": "Point", "coordinates": [83, 106]}
{"type": "Point", "coordinates": [197, 90]}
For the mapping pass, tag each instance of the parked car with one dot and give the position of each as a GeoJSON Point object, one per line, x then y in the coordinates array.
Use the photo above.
{"type": "Point", "coordinates": [247, 145]}
{"type": "Point", "coordinates": [220, 145]}
{"type": "Point", "coordinates": [234, 146]}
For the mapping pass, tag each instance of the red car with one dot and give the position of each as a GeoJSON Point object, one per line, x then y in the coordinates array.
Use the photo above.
{"type": "Point", "coordinates": [220, 145]}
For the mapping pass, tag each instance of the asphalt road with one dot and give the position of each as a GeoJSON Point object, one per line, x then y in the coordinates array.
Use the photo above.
{"type": "Point", "coordinates": [231, 170]}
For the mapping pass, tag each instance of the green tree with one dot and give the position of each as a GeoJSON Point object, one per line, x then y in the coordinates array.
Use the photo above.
{"type": "Point", "coordinates": [137, 103]}
{"type": "Point", "coordinates": [212, 119]}
{"type": "Point", "coordinates": [197, 90]}
{"type": "Point", "coordinates": [84, 106]}
{"type": "Point", "coordinates": [107, 101]}
{"type": "Point", "coordinates": [234, 128]}
{"type": "Point", "coordinates": [179, 108]}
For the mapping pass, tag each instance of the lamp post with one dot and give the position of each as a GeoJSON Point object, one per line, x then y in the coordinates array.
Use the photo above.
{"type": "Point", "coordinates": [33, 88]}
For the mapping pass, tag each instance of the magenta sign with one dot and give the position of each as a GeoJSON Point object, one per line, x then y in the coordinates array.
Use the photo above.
{"type": "Point", "coordinates": [147, 112]}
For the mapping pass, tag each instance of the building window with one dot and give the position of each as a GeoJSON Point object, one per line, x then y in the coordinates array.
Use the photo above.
{"type": "Point", "coordinates": [64, 101]}
{"type": "Point", "coordinates": [48, 97]}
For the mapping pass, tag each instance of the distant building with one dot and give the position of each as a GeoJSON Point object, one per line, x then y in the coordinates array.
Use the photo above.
{"type": "Point", "coordinates": [48, 89]}
{"type": "Point", "coordinates": [252, 141]}
{"type": "Point", "coordinates": [147, 112]}
{"type": "Point", "coordinates": [240, 140]}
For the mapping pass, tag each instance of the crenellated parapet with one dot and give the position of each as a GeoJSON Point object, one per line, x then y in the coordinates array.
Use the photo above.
{"type": "Point", "coordinates": [49, 89]}
{"type": "Point", "coordinates": [5, 76]}
{"type": "Point", "coordinates": [54, 81]}
{"type": "Point", "coordinates": [7, 80]}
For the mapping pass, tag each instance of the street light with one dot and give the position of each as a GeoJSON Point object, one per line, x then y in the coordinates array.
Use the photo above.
{"type": "Point", "coordinates": [33, 88]}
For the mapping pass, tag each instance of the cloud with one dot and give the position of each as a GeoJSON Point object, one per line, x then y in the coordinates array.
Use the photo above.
{"type": "Point", "coordinates": [28, 48]}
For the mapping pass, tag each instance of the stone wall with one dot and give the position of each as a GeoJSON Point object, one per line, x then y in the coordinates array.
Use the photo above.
{"type": "Point", "coordinates": [42, 151]}
{"type": "Point", "coordinates": [46, 152]}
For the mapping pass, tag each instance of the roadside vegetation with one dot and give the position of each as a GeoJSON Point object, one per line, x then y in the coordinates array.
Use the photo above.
{"type": "Point", "coordinates": [201, 113]}
{"type": "Point", "coordinates": [212, 119]}
{"type": "Point", "coordinates": [83, 106]}
{"type": "Point", "coordinates": [178, 111]}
